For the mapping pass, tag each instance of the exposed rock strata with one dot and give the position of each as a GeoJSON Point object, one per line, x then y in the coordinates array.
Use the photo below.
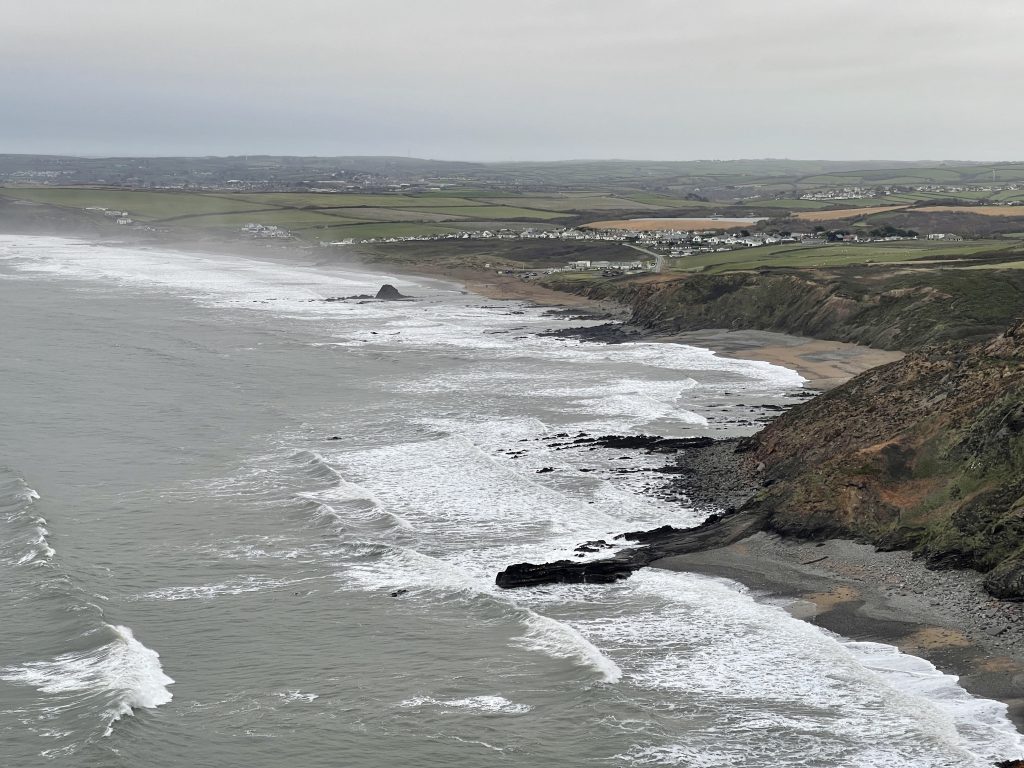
{"type": "Point", "coordinates": [924, 454]}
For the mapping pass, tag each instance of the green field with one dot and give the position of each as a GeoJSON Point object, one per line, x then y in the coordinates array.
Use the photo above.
{"type": "Point", "coordinates": [343, 200]}
{"type": "Point", "coordinates": [305, 214]}
{"type": "Point", "coordinates": [499, 212]}
{"type": "Point", "coordinates": [582, 201]}
{"type": "Point", "coordinates": [286, 218]}
{"type": "Point", "coordinates": [149, 206]}
{"type": "Point", "coordinates": [375, 230]}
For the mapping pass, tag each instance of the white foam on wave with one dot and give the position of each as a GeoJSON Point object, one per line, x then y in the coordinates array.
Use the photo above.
{"type": "Point", "coordinates": [560, 640]}
{"type": "Point", "coordinates": [604, 503]}
{"type": "Point", "coordinates": [452, 492]}
{"type": "Point", "coordinates": [677, 755]}
{"type": "Point", "coordinates": [16, 498]}
{"type": "Point", "coordinates": [982, 724]}
{"type": "Point", "coordinates": [39, 548]}
{"type": "Point", "coordinates": [625, 404]}
{"type": "Point", "coordinates": [415, 571]}
{"type": "Point", "coordinates": [216, 280]}
{"type": "Point", "coordinates": [706, 640]}
{"type": "Point", "coordinates": [316, 466]}
{"type": "Point", "coordinates": [483, 331]}
{"type": "Point", "coordinates": [210, 591]}
{"type": "Point", "coordinates": [296, 695]}
{"type": "Point", "coordinates": [126, 673]}
{"type": "Point", "coordinates": [486, 704]}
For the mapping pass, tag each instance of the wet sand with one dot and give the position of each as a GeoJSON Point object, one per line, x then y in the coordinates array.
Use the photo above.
{"type": "Point", "coordinates": [825, 364]}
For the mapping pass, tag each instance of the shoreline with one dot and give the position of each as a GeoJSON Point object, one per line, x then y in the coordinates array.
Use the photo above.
{"type": "Point", "coordinates": [942, 616]}
{"type": "Point", "coordinates": [846, 588]}
{"type": "Point", "coordinates": [850, 589]}
{"type": "Point", "coordinates": [824, 364]}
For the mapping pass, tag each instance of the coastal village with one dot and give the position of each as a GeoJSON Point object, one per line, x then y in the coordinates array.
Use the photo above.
{"type": "Point", "coordinates": [658, 243]}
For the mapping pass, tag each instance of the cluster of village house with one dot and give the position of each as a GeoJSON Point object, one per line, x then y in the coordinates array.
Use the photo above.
{"type": "Point", "coordinates": [668, 242]}
{"type": "Point", "coordinates": [856, 192]}
{"type": "Point", "coordinates": [121, 217]}
{"type": "Point", "coordinates": [265, 230]}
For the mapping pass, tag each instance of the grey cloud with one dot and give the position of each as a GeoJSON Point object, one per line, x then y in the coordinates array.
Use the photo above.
{"type": "Point", "coordinates": [532, 79]}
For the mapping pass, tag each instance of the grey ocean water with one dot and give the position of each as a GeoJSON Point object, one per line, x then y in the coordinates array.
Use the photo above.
{"type": "Point", "coordinates": [196, 574]}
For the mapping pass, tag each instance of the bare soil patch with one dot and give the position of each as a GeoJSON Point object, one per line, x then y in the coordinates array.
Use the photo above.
{"type": "Point", "coordinates": [981, 210]}
{"type": "Point", "coordinates": [846, 213]}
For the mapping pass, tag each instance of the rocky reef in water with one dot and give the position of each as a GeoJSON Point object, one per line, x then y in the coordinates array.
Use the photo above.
{"type": "Point", "coordinates": [712, 474]}
{"type": "Point", "coordinates": [716, 531]}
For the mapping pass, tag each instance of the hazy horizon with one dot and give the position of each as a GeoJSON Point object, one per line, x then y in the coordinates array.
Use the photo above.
{"type": "Point", "coordinates": [534, 82]}
{"type": "Point", "coordinates": [528, 160]}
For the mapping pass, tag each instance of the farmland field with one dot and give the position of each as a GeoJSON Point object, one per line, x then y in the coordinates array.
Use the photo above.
{"type": "Point", "coordinates": [982, 210]}
{"type": "Point", "coordinates": [583, 202]}
{"type": "Point", "coordinates": [393, 214]}
{"type": "Point", "coordinates": [139, 204]}
{"type": "Point", "coordinates": [796, 256]}
{"type": "Point", "coordinates": [376, 230]}
{"type": "Point", "coordinates": [343, 200]}
{"type": "Point", "coordinates": [410, 215]}
{"type": "Point", "coordinates": [499, 212]}
{"type": "Point", "coordinates": [679, 224]}
{"type": "Point", "coordinates": [845, 213]}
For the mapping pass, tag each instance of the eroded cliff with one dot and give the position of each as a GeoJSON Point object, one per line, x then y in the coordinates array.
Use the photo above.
{"type": "Point", "coordinates": [926, 454]}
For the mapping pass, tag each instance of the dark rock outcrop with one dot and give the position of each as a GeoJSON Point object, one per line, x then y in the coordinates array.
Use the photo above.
{"type": "Point", "coordinates": [388, 292]}
{"type": "Point", "coordinates": [567, 572]}
{"type": "Point", "coordinates": [716, 531]}
{"type": "Point", "coordinates": [649, 443]}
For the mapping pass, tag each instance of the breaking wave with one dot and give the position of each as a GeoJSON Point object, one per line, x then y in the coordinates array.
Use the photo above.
{"type": "Point", "coordinates": [121, 673]}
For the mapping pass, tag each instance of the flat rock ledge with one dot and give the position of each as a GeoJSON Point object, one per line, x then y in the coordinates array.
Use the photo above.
{"type": "Point", "coordinates": [716, 531]}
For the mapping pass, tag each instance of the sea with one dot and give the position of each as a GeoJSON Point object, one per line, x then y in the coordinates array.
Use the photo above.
{"type": "Point", "coordinates": [241, 525]}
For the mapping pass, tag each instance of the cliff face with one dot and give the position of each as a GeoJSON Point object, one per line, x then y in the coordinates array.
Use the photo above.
{"type": "Point", "coordinates": [926, 453]}
{"type": "Point", "coordinates": [901, 310]}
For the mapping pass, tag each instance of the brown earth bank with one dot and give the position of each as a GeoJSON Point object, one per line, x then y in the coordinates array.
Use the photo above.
{"type": "Point", "coordinates": [925, 454]}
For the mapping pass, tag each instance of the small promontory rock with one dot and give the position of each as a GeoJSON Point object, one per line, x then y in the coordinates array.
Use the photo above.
{"type": "Point", "coordinates": [388, 292]}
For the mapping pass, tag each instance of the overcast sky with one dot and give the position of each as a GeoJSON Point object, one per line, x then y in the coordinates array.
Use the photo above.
{"type": "Point", "coordinates": [515, 79]}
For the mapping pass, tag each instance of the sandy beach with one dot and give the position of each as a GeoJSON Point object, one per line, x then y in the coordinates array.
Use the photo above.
{"type": "Point", "coordinates": [825, 364]}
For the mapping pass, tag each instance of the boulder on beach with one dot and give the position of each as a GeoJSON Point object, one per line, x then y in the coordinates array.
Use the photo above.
{"type": "Point", "coordinates": [388, 292]}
